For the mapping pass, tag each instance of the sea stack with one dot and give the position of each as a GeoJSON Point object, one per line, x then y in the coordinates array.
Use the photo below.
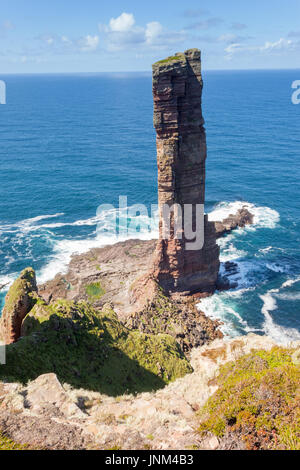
{"type": "Point", "coordinates": [181, 155]}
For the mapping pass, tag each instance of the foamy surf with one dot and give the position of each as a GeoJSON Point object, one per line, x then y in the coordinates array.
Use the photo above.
{"type": "Point", "coordinates": [280, 334]}
{"type": "Point", "coordinates": [6, 281]}
{"type": "Point", "coordinates": [105, 235]}
{"type": "Point", "coordinates": [249, 274]}
{"type": "Point", "coordinates": [27, 225]}
{"type": "Point", "coordinates": [263, 216]}
{"type": "Point", "coordinates": [222, 307]}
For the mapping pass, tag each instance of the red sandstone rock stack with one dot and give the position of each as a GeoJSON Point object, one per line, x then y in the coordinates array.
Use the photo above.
{"type": "Point", "coordinates": [181, 155]}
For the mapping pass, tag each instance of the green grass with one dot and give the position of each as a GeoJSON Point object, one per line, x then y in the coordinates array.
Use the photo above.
{"type": "Point", "coordinates": [173, 58]}
{"type": "Point", "coordinates": [93, 350]}
{"type": "Point", "coordinates": [94, 290]}
{"type": "Point", "coordinates": [258, 401]}
{"type": "Point", "coordinates": [8, 444]}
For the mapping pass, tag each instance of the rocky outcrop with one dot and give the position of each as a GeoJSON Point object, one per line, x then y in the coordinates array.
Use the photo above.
{"type": "Point", "coordinates": [121, 271]}
{"type": "Point", "coordinates": [179, 317]}
{"type": "Point", "coordinates": [181, 155]}
{"type": "Point", "coordinates": [52, 415]}
{"type": "Point", "coordinates": [19, 300]}
{"type": "Point", "coordinates": [241, 218]}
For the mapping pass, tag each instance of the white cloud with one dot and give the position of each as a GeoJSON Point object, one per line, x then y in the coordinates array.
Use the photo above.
{"type": "Point", "coordinates": [66, 40]}
{"type": "Point", "coordinates": [89, 43]}
{"type": "Point", "coordinates": [123, 33]}
{"type": "Point", "coordinates": [268, 48]}
{"type": "Point", "coordinates": [236, 47]}
{"type": "Point", "coordinates": [153, 31]}
{"type": "Point", "coordinates": [122, 23]}
{"type": "Point", "coordinates": [229, 38]}
{"type": "Point", "coordinates": [278, 45]}
{"type": "Point", "coordinates": [47, 38]}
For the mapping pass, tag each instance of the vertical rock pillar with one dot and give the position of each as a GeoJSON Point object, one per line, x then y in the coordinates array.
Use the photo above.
{"type": "Point", "coordinates": [181, 155]}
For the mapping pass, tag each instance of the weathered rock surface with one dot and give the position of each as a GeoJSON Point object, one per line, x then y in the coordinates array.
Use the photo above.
{"type": "Point", "coordinates": [112, 268]}
{"type": "Point", "coordinates": [18, 302]}
{"type": "Point", "coordinates": [181, 155]}
{"type": "Point", "coordinates": [165, 419]}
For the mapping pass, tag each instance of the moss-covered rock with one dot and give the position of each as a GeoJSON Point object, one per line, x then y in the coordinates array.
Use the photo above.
{"type": "Point", "coordinates": [94, 291]}
{"type": "Point", "coordinates": [179, 57]}
{"type": "Point", "coordinates": [19, 300]}
{"type": "Point", "coordinates": [92, 349]}
{"type": "Point", "coordinates": [8, 444]}
{"type": "Point", "coordinates": [257, 402]}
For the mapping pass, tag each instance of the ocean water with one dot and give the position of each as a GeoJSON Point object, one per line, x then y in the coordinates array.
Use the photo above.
{"type": "Point", "coordinates": [72, 142]}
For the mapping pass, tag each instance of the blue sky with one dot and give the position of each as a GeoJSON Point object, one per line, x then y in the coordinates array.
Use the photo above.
{"type": "Point", "coordinates": [101, 36]}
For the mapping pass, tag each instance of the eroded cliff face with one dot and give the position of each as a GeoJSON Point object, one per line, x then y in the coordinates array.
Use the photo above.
{"type": "Point", "coordinates": [20, 299]}
{"type": "Point", "coordinates": [181, 155]}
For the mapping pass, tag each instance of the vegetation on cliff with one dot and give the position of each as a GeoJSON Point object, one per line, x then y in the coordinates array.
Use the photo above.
{"type": "Point", "coordinates": [8, 444]}
{"type": "Point", "coordinates": [176, 317]}
{"type": "Point", "coordinates": [92, 349]}
{"type": "Point", "coordinates": [19, 300]}
{"type": "Point", "coordinates": [258, 401]}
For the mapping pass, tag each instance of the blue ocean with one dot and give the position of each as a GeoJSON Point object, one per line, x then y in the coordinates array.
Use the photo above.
{"type": "Point", "coordinates": [70, 143]}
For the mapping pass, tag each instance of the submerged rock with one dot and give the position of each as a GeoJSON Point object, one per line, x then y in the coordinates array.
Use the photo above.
{"type": "Point", "coordinates": [19, 300]}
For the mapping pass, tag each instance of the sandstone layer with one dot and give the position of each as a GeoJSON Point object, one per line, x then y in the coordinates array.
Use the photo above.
{"type": "Point", "coordinates": [181, 155]}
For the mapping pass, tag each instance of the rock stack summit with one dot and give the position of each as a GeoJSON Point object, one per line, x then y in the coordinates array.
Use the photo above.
{"type": "Point", "coordinates": [181, 155]}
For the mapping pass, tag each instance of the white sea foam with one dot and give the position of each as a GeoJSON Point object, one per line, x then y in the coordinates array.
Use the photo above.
{"type": "Point", "coordinates": [220, 307]}
{"type": "Point", "coordinates": [266, 250]}
{"type": "Point", "coordinates": [6, 280]}
{"type": "Point", "coordinates": [263, 216]}
{"type": "Point", "coordinates": [280, 334]}
{"type": "Point", "coordinates": [105, 235]}
{"type": "Point", "coordinates": [27, 225]}
{"type": "Point", "coordinates": [275, 267]}
{"type": "Point", "coordinates": [290, 282]}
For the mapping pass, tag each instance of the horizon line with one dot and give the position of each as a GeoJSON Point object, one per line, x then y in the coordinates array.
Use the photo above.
{"type": "Point", "coordinates": [148, 71]}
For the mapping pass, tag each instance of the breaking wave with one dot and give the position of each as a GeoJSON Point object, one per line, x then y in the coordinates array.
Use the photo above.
{"type": "Point", "coordinates": [263, 216]}
{"type": "Point", "coordinates": [279, 333]}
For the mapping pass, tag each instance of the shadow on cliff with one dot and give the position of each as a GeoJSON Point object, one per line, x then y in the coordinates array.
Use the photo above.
{"type": "Point", "coordinates": [103, 357]}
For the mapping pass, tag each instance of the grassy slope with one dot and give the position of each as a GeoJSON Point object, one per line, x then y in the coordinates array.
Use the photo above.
{"type": "Point", "coordinates": [92, 349]}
